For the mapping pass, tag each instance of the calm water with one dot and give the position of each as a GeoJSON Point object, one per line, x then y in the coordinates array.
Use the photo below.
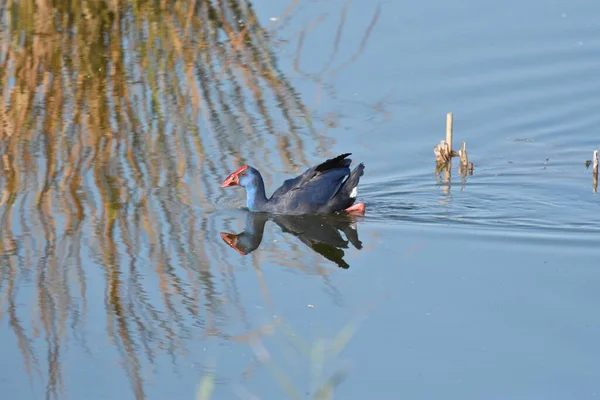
{"type": "Point", "coordinates": [119, 123]}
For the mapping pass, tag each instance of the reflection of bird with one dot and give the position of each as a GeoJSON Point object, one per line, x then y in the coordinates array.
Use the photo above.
{"type": "Point", "coordinates": [320, 233]}
{"type": "Point", "coordinates": [327, 188]}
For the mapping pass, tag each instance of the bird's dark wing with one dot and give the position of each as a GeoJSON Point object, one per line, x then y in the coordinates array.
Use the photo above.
{"type": "Point", "coordinates": [333, 164]}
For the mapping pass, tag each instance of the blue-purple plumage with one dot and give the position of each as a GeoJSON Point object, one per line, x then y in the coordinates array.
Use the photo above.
{"type": "Point", "coordinates": [326, 188]}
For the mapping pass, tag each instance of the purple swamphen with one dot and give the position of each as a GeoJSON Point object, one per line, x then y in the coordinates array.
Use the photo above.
{"type": "Point", "coordinates": [325, 189]}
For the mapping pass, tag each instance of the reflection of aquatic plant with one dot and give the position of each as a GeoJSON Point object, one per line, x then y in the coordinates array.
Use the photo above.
{"type": "Point", "coordinates": [115, 119]}
{"type": "Point", "coordinates": [318, 354]}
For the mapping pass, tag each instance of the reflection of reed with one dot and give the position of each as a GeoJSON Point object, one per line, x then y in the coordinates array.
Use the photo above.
{"type": "Point", "coordinates": [115, 119]}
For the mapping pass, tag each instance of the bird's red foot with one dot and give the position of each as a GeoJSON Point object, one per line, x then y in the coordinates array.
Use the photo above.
{"type": "Point", "coordinates": [358, 208]}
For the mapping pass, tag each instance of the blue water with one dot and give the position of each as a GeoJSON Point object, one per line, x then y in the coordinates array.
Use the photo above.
{"type": "Point", "coordinates": [481, 287]}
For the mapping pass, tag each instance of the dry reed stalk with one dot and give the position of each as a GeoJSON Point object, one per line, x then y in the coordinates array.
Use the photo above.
{"type": "Point", "coordinates": [443, 152]}
{"type": "Point", "coordinates": [595, 171]}
{"type": "Point", "coordinates": [466, 167]}
{"type": "Point", "coordinates": [464, 158]}
{"type": "Point", "coordinates": [449, 126]}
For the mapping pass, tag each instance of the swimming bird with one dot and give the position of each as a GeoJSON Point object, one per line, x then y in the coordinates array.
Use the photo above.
{"type": "Point", "coordinates": [327, 188]}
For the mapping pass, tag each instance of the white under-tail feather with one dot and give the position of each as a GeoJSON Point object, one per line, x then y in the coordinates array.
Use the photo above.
{"type": "Point", "coordinates": [354, 192]}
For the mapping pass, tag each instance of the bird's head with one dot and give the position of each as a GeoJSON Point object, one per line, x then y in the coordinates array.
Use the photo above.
{"type": "Point", "coordinates": [245, 176]}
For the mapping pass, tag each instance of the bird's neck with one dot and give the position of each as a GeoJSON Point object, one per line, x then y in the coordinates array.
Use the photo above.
{"type": "Point", "coordinates": [256, 198]}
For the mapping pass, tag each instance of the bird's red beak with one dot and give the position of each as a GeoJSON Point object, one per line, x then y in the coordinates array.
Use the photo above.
{"type": "Point", "coordinates": [233, 179]}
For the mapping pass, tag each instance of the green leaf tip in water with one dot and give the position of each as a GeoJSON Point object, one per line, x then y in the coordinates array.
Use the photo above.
{"type": "Point", "coordinates": [206, 387]}
{"type": "Point", "coordinates": [343, 337]}
{"type": "Point", "coordinates": [326, 391]}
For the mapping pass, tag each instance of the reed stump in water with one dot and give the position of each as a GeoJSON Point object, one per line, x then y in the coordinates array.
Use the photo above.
{"type": "Point", "coordinates": [444, 153]}
{"type": "Point", "coordinates": [595, 171]}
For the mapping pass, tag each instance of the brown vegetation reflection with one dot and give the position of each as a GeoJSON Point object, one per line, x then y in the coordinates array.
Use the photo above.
{"type": "Point", "coordinates": [117, 120]}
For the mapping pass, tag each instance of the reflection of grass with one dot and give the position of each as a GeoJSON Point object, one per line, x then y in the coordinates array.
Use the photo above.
{"type": "Point", "coordinates": [205, 387]}
{"type": "Point", "coordinates": [115, 119]}
{"type": "Point", "coordinates": [318, 354]}
{"type": "Point", "coordinates": [100, 104]}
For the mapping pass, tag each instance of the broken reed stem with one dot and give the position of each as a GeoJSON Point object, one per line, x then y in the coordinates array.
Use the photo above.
{"type": "Point", "coordinates": [595, 171]}
{"type": "Point", "coordinates": [449, 119]}
{"type": "Point", "coordinates": [443, 152]}
{"type": "Point", "coordinates": [464, 158]}
{"type": "Point", "coordinates": [466, 167]}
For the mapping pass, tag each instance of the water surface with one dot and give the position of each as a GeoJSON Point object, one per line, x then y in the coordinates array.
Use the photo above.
{"type": "Point", "coordinates": [127, 272]}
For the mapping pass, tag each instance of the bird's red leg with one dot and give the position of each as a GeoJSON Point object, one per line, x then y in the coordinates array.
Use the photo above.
{"type": "Point", "coordinates": [358, 208]}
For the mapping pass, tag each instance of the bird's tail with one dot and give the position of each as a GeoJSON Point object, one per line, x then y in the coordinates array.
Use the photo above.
{"type": "Point", "coordinates": [346, 195]}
